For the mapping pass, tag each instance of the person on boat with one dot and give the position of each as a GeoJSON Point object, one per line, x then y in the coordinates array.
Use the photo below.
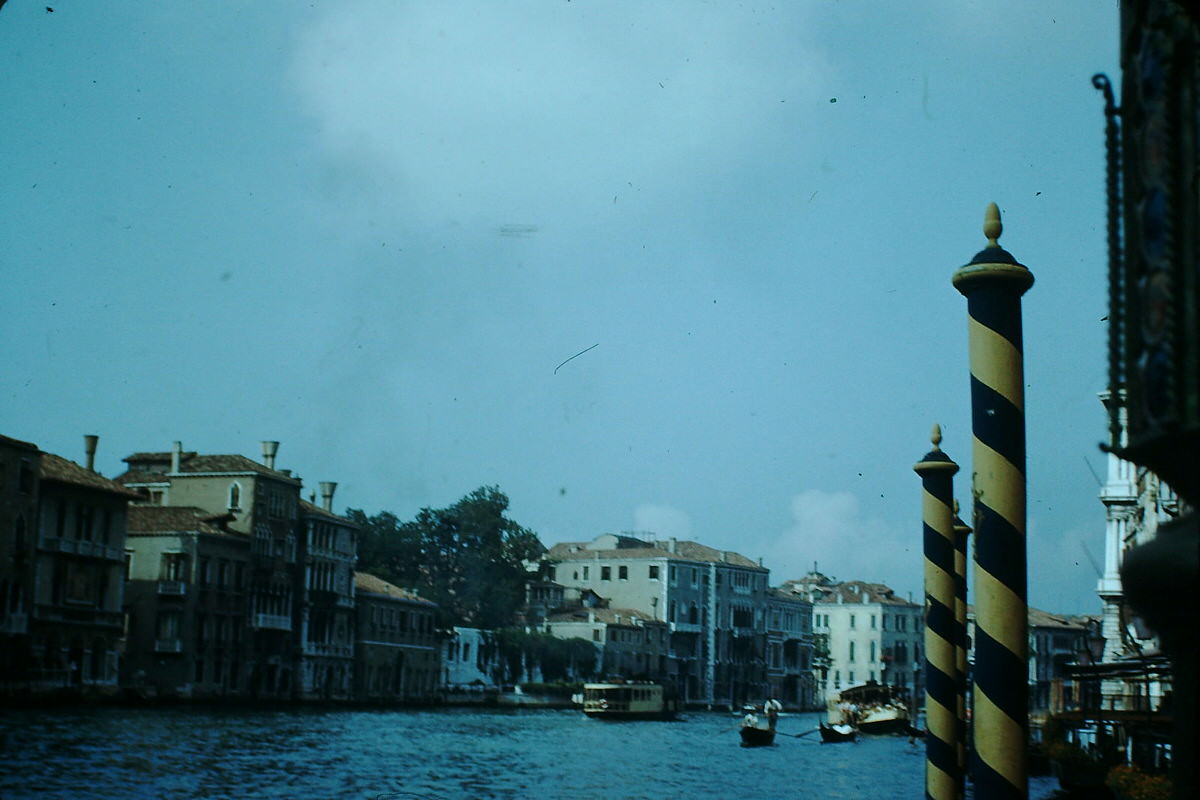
{"type": "Point", "coordinates": [750, 720]}
{"type": "Point", "coordinates": [772, 707]}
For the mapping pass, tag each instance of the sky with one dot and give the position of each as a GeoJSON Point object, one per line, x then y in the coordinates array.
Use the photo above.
{"type": "Point", "coordinates": [681, 268]}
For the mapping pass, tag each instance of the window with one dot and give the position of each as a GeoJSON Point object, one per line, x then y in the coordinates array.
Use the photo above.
{"type": "Point", "coordinates": [654, 572]}
{"type": "Point", "coordinates": [885, 619]}
{"type": "Point", "coordinates": [851, 620]}
{"type": "Point", "coordinates": [623, 572]}
{"type": "Point", "coordinates": [596, 635]}
{"type": "Point", "coordinates": [606, 573]}
{"type": "Point", "coordinates": [671, 615]}
{"type": "Point", "coordinates": [852, 654]}
{"type": "Point", "coordinates": [585, 573]}
{"type": "Point", "coordinates": [672, 575]}
{"type": "Point", "coordinates": [872, 649]}
{"type": "Point", "coordinates": [872, 622]}
{"type": "Point", "coordinates": [850, 677]}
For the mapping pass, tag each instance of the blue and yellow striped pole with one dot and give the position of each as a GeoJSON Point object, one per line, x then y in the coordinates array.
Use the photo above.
{"type": "Point", "coordinates": [943, 772]}
{"type": "Point", "coordinates": [993, 284]}
{"type": "Point", "coordinates": [961, 533]}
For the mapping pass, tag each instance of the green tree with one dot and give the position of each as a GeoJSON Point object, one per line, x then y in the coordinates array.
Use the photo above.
{"type": "Point", "coordinates": [467, 558]}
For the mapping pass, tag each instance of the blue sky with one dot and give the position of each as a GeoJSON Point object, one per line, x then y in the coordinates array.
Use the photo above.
{"type": "Point", "coordinates": [374, 231]}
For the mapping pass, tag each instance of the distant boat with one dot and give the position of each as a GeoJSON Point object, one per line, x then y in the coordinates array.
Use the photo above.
{"type": "Point", "coordinates": [628, 701]}
{"type": "Point", "coordinates": [754, 736]}
{"type": "Point", "coordinates": [872, 708]}
{"type": "Point", "coordinates": [831, 734]}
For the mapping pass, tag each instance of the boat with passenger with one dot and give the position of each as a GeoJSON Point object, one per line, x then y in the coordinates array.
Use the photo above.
{"type": "Point", "coordinates": [872, 708]}
{"type": "Point", "coordinates": [832, 734]}
{"type": "Point", "coordinates": [629, 700]}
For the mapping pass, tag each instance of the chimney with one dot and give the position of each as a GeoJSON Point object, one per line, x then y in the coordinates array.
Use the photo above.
{"type": "Point", "coordinates": [327, 490]}
{"type": "Point", "coordinates": [724, 556]}
{"type": "Point", "coordinates": [89, 447]}
{"type": "Point", "coordinates": [176, 455]}
{"type": "Point", "coordinates": [269, 451]}
{"type": "Point", "coordinates": [671, 547]}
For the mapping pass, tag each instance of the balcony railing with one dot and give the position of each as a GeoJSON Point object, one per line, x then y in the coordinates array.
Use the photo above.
{"type": "Point", "coordinates": [330, 650]}
{"type": "Point", "coordinates": [168, 645]}
{"type": "Point", "coordinates": [174, 588]}
{"type": "Point", "coordinates": [275, 622]}
{"type": "Point", "coordinates": [81, 547]}
{"type": "Point", "coordinates": [84, 616]}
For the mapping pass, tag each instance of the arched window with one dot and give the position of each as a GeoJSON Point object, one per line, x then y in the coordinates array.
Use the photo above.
{"type": "Point", "coordinates": [235, 496]}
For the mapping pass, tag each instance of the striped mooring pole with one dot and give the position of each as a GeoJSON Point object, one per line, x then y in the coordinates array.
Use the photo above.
{"type": "Point", "coordinates": [943, 773]}
{"type": "Point", "coordinates": [993, 284]}
{"type": "Point", "coordinates": [961, 533]}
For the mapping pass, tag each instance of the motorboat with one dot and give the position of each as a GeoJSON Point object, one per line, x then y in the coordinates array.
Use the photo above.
{"type": "Point", "coordinates": [629, 701]}
{"type": "Point", "coordinates": [872, 708]}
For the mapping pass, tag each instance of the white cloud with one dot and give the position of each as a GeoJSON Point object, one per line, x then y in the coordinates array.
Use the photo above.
{"type": "Point", "coordinates": [829, 528]}
{"type": "Point", "coordinates": [663, 521]}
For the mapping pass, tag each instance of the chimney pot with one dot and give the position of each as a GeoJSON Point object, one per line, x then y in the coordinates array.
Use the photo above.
{"type": "Point", "coordinates": [89, 447]}
{"type": "Point", "coordinates": [327, 490]}
{"type": "Point", "coordinates": [269, 449]}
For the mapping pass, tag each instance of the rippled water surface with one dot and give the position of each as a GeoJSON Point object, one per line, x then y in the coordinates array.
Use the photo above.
{"type": "Point", "coordinates": [227, 753]}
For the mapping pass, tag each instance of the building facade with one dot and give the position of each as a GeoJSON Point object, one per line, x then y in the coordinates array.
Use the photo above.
{"type": "Point", "coordinates": [263, 504]}
{"type": "Point", "coordinates": [398, 649]}
{"type": "Point", "coordinates": [863, 633]}
{"type": "Point", "coordinates": [328, 552]}
{"type": "Point", "coordinates": [790, 649]}
{"type": "Point", "coordinates": [186, 604]}
{"type": "Point", "coordinates": [630, 645]}
{"type": "Point", "coordinates": [20, 468]}
{"type": "Point", "coordinates": [75, 618]}
{"type": "Point", "coordinates": [713, 602]}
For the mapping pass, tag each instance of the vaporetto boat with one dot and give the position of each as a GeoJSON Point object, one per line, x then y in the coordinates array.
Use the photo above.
{"type": "Point", "coordinates": [628, 701]}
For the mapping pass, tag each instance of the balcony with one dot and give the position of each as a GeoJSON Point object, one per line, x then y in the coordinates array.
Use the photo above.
{"type": "Point", "coordinates": [81, 616]}
{"type": "Point", "coordinates": [172, 588]}
{"type": "Point", "coordinates": [81, 547]}
{"type": "Point", "coordinates": [168, 645]}
{"type": "Point", "coordinates": [273, 622]}
{"type": "Point", "coordinates": [328, 650]}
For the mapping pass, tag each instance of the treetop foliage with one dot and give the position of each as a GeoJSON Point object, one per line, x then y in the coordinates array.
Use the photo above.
{"type": "Point", "coordinates": [468, 558]}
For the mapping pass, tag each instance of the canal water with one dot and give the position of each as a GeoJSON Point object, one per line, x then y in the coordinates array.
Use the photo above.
{"type": "Point", "coordinates": [405, 755]}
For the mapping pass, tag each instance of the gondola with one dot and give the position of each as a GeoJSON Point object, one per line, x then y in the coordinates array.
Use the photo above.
{"type": "Point", "coordinates": [831, 734]}
{"type": "Point", "coordinates": [757, 737]}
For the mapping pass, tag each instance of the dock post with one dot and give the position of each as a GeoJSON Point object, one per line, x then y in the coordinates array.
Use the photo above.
{"type": "Point", "coordinates": [943, 774]}
{"type": "Point", "coordinates": [993, 283]}
{"type": "Point", "coordinates": [961, 533]}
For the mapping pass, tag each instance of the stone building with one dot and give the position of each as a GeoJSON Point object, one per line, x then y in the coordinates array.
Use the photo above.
{"type": "Point", "coordinates": [187, 604]}
{"type": "Point", "coordinates": [20, 466]}
{"type": "Point", "coordinates": [864, 632]}
{"type": "Point", "coordinates": [629, 644]}
{"type": "Point", "coordinates": [398, 651]}
{"type": "Point", "coordinates": [790, 649]}
{"type": "Point", "coordinates": [263, 504]}
{"type": "Point", "coordinates": [714, 602]}
{"type": "Point", "coordinates": [326, 599]}
{"type": "Point", "coordinates": [76, 623]}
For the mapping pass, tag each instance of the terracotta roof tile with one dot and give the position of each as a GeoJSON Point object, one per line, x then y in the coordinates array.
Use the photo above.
{"type": "Point", "coordinates": [684, 551]}
{"type": "Point", "coordinates": [60, 470]}
{"type": "Point", "coordinates": [366, 582]}
{"type": "Point", "coordinates": [315, 510]}
{"type": "Point", "coordinates": [160, 519]}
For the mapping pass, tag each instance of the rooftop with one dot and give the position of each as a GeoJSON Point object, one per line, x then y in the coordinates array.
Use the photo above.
{"type": "Point", "coordinates": [847, 592]}
{"type": "Point", "coordinates": [154, 467]}
{"type": "Point", "coordinates": [366, 582]}
{"type": "Point", "coordinates": [615, 546]}
{"type": "Point", "coordinates": [60, 470]}
{"type": "Point", "coordinates": [145, 520]}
